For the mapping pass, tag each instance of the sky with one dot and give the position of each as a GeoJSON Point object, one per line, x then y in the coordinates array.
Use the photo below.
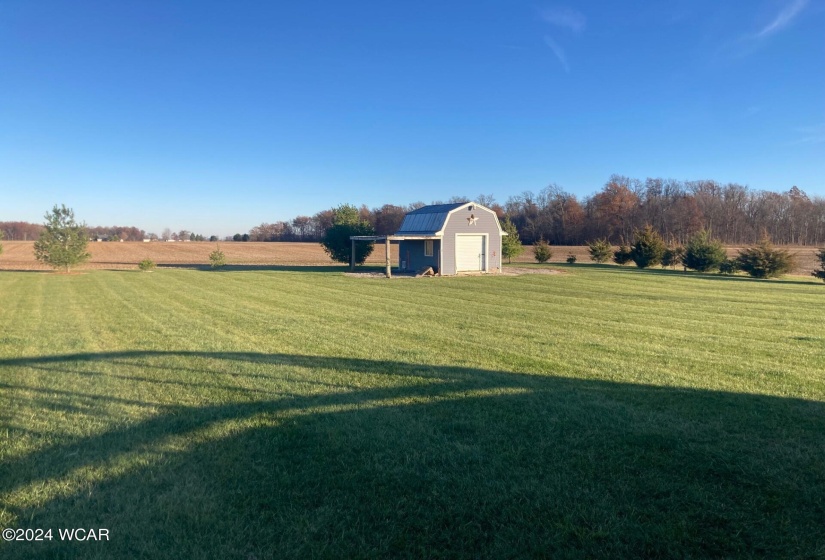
{"type": "Point", "coordinates": [216, 116]}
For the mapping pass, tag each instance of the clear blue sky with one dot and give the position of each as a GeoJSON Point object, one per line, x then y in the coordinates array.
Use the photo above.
{"type": "Point", "coordinates": [217, 116]}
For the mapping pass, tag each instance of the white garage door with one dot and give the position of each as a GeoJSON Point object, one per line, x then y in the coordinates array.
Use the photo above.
{"type": "Point", "coordinates": [469, 252]}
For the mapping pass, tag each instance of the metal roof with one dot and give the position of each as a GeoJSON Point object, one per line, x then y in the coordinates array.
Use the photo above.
{"type": "Point", "coordinates": [427, 220]}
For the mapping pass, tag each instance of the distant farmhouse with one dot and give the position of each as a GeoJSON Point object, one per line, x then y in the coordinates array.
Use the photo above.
{"type": "Point", "coordinates": [450, 238]}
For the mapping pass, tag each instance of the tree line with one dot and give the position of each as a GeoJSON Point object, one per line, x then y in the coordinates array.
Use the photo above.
{"type": "Point", "coordinates": [733, 213]}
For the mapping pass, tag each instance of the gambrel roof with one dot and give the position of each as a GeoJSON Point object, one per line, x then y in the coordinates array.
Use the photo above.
{"type": "Point", "coordinates": [427, 220]}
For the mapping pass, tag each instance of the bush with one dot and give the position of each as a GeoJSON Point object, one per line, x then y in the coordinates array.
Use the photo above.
{"type": "Point", "coordinates": [672, 256]}
{"type": "Point", "coordinates": [623, 256]}
{"type": "Point", "coordinates": [217, 259]}
{"type": "Point", "coordinates": [648, 247]}
{"type": "Point", "coordinates": [821, 272]}
{"type": "Point", "coordinates": [763, 260]}
{"type": "Point", "coordinates": [728, 266]}
{"type": "Point", "coordinates": [542, 251]}
{"type": "Point", "coordinates": [336, 241]}
{"type": "Point", "coordinates": [571, 259]}
{"type": "Point", "coordinates": [146, 265]}
{"type": "Point", "coordinates": [600, 250]}
{"type": "Point", "coordinates": [702, 253]}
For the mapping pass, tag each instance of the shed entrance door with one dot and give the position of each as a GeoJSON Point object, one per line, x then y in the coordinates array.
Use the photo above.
{"type": "Point", "coordinates": [469, 253]}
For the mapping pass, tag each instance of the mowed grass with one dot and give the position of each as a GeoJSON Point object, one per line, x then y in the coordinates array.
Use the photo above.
{"type": "Point", "coordinates": [603, 412]}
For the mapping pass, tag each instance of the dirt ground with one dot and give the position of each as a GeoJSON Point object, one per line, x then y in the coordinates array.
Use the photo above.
{"type": "Point", "coordinates": [19, 255]}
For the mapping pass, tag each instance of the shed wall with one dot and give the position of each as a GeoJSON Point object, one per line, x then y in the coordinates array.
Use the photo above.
{"type": "Point", "coordinates": [412, 251]}
{"type": "Point", "coordinates": [486, 223]}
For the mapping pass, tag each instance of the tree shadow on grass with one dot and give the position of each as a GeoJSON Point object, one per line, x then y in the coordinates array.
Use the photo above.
{"type": "Point", "coordinates": [713, 276]}
{"type": "Point", "coordinates": [417, 461]}
{"type": "Point", "coordinates": [261, 267]}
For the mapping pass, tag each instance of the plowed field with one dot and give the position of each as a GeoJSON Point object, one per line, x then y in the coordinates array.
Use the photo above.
{"type": "Point", "coordinates": [19, 255]}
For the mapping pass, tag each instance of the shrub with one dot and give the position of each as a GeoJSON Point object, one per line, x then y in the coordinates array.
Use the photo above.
{"type": "Point", "coordinates": [571, 259]}
{"type": "Point", "coordinates": [542, 251]}
{"type": "Point", "coordinates": [672, 256]}
{"type": "Point", "coordinates": [821, 272]}
{"type": "Point", "coordinates": [217, 259]}
{"type": "Point", "coordinates": [146, 265]}
{"type": "Point", "coordinates": [623, 256]}
{"type": "Point", "coordinates": [336, 241]}
{"type": "Point", "coordinates": [702, 253]}
{"type": "Point", "coordinates": [510, 244]}
{"type": "Point", "coordinates": [600, 250]}
{"type": "Point", "coordinates": [728, 266]}
{"type": "Point", "coordinates": [648, 247]}
{"type": "Point", "coordinates": [763, 260]}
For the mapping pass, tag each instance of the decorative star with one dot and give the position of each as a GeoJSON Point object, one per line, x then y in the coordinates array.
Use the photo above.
{"type": "Point", "coordinates": [471, 221]}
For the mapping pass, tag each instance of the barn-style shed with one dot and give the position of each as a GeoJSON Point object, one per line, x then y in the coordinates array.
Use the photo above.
{"type": "Point", "coordinates": [450, 238]}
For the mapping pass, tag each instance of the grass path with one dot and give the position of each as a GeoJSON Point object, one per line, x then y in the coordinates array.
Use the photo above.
{"type": "Point", "coordinates": [602, 412]}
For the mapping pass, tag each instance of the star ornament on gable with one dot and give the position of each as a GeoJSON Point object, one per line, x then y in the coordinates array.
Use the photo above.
{"type": "Point", "coordinates": [471, 221]}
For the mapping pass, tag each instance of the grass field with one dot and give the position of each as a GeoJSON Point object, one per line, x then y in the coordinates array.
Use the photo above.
{"type": "Point", "coordinates": [600, 413]}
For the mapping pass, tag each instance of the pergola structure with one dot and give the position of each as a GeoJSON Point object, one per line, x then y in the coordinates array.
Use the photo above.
{"type": "Point", "coordinates": [386, 239]}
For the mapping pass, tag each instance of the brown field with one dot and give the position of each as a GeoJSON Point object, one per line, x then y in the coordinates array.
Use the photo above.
{"type": "Point", "coordinates": [19, 255]}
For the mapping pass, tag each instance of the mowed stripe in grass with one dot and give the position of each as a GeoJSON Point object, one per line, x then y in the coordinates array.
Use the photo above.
{"type": "Point", "coordinates": [600, 412]}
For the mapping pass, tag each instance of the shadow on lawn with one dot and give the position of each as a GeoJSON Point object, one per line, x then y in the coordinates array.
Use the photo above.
{"type": "Point", "coordinates": [713, 276]}
{"type": "Point", "coordinates": [256, 267]}
{"type": "Point", "coordinates": [423, 461]}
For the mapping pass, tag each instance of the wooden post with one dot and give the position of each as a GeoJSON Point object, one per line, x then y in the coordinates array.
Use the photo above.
{"type": "Point", "coordinates": [352, 257]}
{"type": "Point", "coordinates": [387, 249]}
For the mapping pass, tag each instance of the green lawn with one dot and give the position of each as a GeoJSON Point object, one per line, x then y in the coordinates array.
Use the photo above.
{"type": "Point", "coordinates": [603, 412]}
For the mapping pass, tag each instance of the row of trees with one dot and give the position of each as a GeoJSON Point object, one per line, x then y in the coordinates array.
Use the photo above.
{"type": "Point", "coordinates": [20, 231]}
{"type": "Point", "coordinates": [702, 253]}
{"type": "Point", "coordinates": [62, 243]}
{"type": "Point", "coordinates": [676, 209]}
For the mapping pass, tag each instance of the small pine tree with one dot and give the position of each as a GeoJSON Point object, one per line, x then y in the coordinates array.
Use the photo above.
{"type": "Point", "coordinates": [672, 256]}
{"type": "Point", "coordinates": [623, 255]}
{"type": "Point", "coordinates": [648, 247]}
{"type": "Point", "coordinates": [821, 272]}
{"type": "Point", "coordinates": [510, 244]}
{"type": "Point", "coordinates": [63, 242]}
{"type": "Point", "coordinates": [702, 253]}
{"type": "Point", "coordinates": [571, 259]}
{"type": "Point", "coordinates": [728, 266]}
{"type": "Point", "coordinates": [600, 250]}
{"type": "Point", "coordinates": [146, 265]}
{"type": "Point", "coordinates": [763, 260]}
{"type": "Point", "coordinates": [542, 251]}
{"type": "Point", "coordinates": [216, 258]}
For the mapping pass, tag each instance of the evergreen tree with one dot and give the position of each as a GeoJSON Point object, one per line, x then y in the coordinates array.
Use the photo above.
{"type": "Point", "coordinates": [542, 251]}
{"type": "Point", "coordinates": [216, 258]}
{"type": "Point", "coordinates": [623, 255]}
{"type": "Point", "coordinates": [763, 260]}
{"type": "Point", "coordinates": [648, 247]}
{"type": "Point", "coordinates": [821, 272]}
{"type": "Point", "coordinates": [600, 250]}
{"type": "Point", "coordinates": [63, 242]}
{"type": "Point", "coordinates": [703, 253]}
{"type": "Point", "coordinates": [510, 244]}
{"type": "Point", "coordinates": [673, 256]}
